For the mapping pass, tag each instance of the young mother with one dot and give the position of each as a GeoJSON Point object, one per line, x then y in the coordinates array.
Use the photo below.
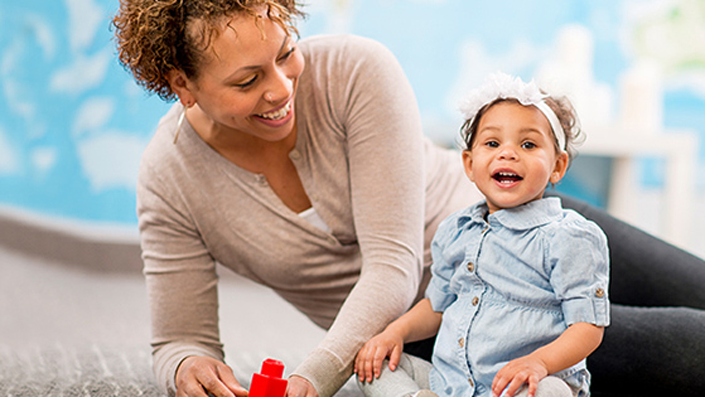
{"type": "Point", "coordinates": [302, 166]}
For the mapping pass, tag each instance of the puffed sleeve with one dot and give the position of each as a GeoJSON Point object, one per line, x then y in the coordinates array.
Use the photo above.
{"type": "Point", "coordinates": [579, 262]}
{"type": "Point", "coordinates": [374, 104]}
{"type": "Point", "coordinates": [180, 277]}
{"type": "Point", "coordinates": [442, 269]}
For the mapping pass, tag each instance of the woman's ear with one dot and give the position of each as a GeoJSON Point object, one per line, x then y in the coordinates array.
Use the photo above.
{"type": "Point", "coordinates": [181, 86]}
{"type": "Point", "coordinates": [467, 164]}
{"type": "Point", "coordinates": [560, 168]}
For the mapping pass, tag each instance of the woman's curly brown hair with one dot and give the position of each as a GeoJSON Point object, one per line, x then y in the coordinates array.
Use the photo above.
{"type": "Point", "coordinates": [155, 37]}
{"type": "Point", "coordinates": [561, 106]}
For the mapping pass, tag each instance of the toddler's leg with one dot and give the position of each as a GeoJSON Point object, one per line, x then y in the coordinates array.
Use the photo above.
{"type": "Point", "coordinates": [549, 386]}
{"type": "Point", "coordinates": [410, 376]}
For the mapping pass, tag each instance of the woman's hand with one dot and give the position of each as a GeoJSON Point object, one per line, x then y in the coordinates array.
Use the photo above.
{"type": "Point", "coordinates": [368, 363]}
{"type": "Point", "coordinates": [198, 376]}
{"type": "Point", "coordinates": [527, 369]}
{"type": "Point", "coordinates": [300, 387]}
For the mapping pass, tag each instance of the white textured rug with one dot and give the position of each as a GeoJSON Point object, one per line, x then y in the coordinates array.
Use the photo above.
{"type": "Point", "coordinates": [70, 371]}
{"type": "Point", "coordinates": [69, 331]}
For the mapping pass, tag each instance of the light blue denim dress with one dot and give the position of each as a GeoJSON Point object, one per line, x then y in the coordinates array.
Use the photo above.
{"type": "Point", "coordinates": [509, 283]}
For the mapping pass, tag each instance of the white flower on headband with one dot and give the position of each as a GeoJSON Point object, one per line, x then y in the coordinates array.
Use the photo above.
{"type": "Point", "coordinates": [500, 86]}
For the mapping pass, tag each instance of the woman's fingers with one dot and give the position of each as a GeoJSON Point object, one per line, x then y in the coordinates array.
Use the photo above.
{"type": "Point", "coordinates": [225, 374]}
{"type": "Point", "coordinates": [300, 387]}
{"type": "Point", "coordinates": [205, 376]}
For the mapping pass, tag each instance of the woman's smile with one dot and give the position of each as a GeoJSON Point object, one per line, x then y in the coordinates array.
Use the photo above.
{"type": "Point", "coordinates": [278, 116]}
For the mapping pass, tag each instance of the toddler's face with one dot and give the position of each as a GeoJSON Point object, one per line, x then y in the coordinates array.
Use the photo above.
{"type": "Point", "coordinates": [513, 156]}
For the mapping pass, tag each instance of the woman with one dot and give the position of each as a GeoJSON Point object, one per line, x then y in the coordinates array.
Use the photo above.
{"type": "Point", "coordinates": [300, 165]}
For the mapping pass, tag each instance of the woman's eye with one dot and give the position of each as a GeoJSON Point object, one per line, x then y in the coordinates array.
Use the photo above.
{"type": "Point", "coordinates": [287, 54]}
{"type": "Point", "coordinates": [247, 83]}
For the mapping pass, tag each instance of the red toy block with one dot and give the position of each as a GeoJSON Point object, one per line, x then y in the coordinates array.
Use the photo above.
{"type": "Point", "coordinates": [269, 383]}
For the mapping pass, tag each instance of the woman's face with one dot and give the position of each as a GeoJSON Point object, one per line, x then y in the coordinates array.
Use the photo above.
{"type": "Point", "coordinates": [248, 82]}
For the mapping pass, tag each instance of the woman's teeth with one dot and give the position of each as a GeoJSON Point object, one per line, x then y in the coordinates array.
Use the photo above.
{"type": "Point", "coordinates": [279, 114]}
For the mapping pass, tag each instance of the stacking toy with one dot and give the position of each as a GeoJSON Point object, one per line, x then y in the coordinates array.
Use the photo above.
{"type": "Point", "coordinates": [269, 383]}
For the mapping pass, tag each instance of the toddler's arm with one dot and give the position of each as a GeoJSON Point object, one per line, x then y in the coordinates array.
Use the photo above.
{"type": "Point", "coordinates": [575, 344]}
{"type": "Point", "coordinates": [420, 322]}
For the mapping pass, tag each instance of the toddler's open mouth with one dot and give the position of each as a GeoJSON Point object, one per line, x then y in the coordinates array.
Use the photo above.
{"type": "Point", "coordinates": [506, 177]}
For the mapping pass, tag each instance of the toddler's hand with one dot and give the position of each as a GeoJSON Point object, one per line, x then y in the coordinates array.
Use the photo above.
{"type": "Point", "coordinates": [512, 376]}
{"type": "Point", "coordinates": [368, 363]}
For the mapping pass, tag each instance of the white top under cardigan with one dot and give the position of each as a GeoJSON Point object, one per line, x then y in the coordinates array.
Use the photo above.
{"type": "Point", "coordinates": [370, 175]}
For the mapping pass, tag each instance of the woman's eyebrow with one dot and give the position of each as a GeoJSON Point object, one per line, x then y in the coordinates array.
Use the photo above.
{"type": "Point", "coordinates": [234, 76]}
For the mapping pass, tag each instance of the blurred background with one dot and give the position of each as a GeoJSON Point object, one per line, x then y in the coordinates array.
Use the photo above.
{"type": "Point", "coordinates": [73, 124]}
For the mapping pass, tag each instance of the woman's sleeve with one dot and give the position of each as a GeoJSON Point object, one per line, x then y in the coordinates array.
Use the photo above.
{"type": "Point", "coordinates": [181, 280]}
{"type": "Point", "coordinates": [381, 120]}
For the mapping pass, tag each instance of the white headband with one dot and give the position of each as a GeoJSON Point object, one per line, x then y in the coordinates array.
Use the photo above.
{"type": "Point", "coordinates": [502, 86]}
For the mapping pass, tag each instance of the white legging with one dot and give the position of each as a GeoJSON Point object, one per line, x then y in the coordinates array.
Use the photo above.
{"type": "Point", "coordinates": [549, 386]}
{"type": "Point", "coordinates": [412, 375]}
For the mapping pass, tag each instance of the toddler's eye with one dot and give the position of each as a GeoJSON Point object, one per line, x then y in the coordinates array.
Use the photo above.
{"type": "Point", "coordinates": [528, 145]}
{"type": "Point", "coordinates": [492, 144]}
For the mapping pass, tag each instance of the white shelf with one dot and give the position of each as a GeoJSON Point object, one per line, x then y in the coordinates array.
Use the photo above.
{"type": "Point", "coordinates": [679, 150]}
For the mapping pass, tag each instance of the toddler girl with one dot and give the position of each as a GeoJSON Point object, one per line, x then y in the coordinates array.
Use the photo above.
{"type": "Point", "coordinates": [518, 295]}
